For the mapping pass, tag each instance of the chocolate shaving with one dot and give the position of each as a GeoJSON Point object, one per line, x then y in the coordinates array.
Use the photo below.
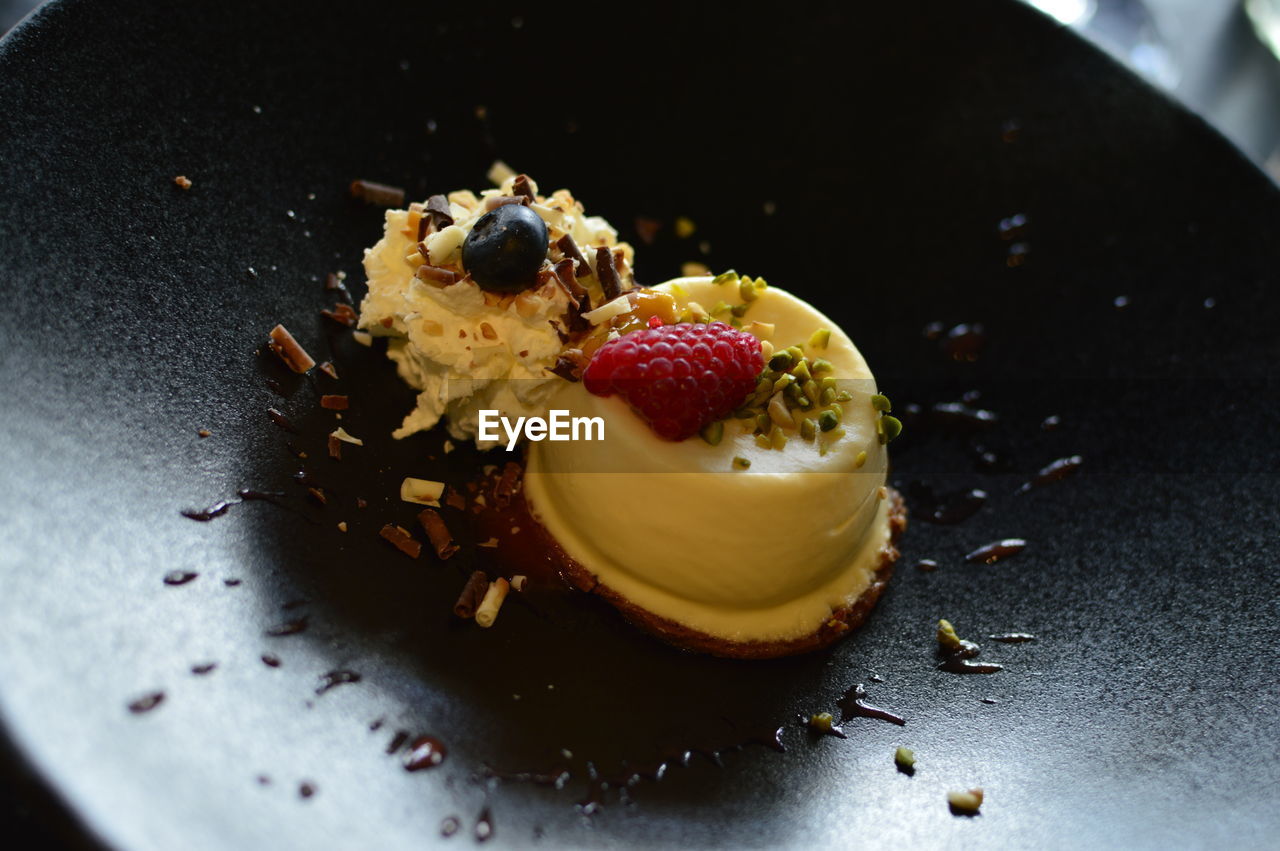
{"type": "Point", "coordinates": [335, 448]}
{"type": "Point", "coordinates": [427, 272]}
{"type": "Point", "coordinates": [570, 249]}
{"type": "Point", "coordinates": [401, 540]}
{"type": "Point", "coordinates": [333, 402]}
{"type": "Point", "coordinates": [563, 274]}
{"type": "Point", "coordinates": [506, 485]}
{"type": "Point", "coordinates": [288, 350]}
{"type": "Point", "coordinates": [343, 314]}
{"type": "Point", "coordinates": [472, 593]}
{"type": "Point", "coordinates": [493, 202]}
{"type": "Point", "coordinates": [317, 495]}
{"type": "Point", "coordinates": [329, 369]}
{"type": "Point", "coordinates": [455, 499]}
{"type": "Point", "coordinates": [438, 211]}
{"type": "Point", "coordinates": [564, 338]}
{"type": "Point", "coordinates": [333, 283]}
{"type": "Point", "coordinates": [425, 227]}
{"type": "Point", "coordinates": [523, 186]}
{"type": "Point", "coordinates": [377, 193]}
{"type": "Point", "coordinates": [438, 532]}
{"type": "Point", "coordinates": [607, 273]}
{"type": "Point", "coordinates": [281, 420]}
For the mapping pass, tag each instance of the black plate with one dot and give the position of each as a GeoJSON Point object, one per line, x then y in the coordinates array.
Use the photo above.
{"type": "Point", "coordinates": [890, 146]}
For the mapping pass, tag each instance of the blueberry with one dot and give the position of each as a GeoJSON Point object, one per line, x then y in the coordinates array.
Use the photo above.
{"type": "Point", "coordinates": [505, 249]}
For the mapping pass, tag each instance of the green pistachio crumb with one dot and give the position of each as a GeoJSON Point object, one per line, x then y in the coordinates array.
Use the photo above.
{"type": "Point", "coordinates": [838, 410]}
{"type": "Point", "coordinates": [740, 310]}
{"type": "Point", "coordinates": [892, 427]}
{"type": "Point", "coordinates": [822, 722]}
{"type": "Point", "coordinates": [741, 463]}
{"type": "Point", "coordinates": [828, 382]}
{"type": "Point", "coordinates": [721, 307]}
{"type": "Point", "coordinates": [811, 392]}
{"type": "Point", "coordinates": [836, 433]}
{"type": "Point", "coordinates": [777, 439]}
{"type": "Point", "coordinates": [844, 396]}
{"type": "Point", "coordinates": [807, 428]}
{"type": "Point", "coordinates": [712, 433]}
{"type": "Point", "coordinates": [828, 420]}
{"type": "Point", "coordinates": [762, 422]}
{"type": "Point", "coordinates": [947, 637]}
{"type": "Point", "coordinates": [747, 290]}
{"type": "Point", "coordinates": [781, 361]}
{"type": "Point", "coordinates": [797, 352]}
{"type": "Point", "coordinates": [761, 285]}
{"type": "Point", "coordinates": [820, 366]}
{"type": "Point", "coordinates": [905, 758]}
{"type": "Point", "coordinates": [728, 277]}
{"type": "Point", "coordinates": [827, 397]}
{"type": "Point", "coordinates": [881, 402]}
{"type": "Point", "coordinates": [801, 370]}
{"type": "Point", "coordinates": [783, 381]}
{"type": "Point", "coordinates": [861, 459]}
{"type": "Point", "coordinates": [744, 414]}
{"type": "Point", "coordinates": [735, 322]}
{"type": "Point", "coordinates": [820, 339]}
{"type": "Point", "coordinates": [762, 440]}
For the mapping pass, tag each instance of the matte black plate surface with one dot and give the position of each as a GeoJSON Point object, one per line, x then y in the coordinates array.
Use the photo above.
{"type": "Point", "coordinates": [866, 161]}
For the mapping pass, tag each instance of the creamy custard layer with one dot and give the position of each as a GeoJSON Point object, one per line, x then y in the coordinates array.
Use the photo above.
{"type": "Point", "coordinates": [761, 554]}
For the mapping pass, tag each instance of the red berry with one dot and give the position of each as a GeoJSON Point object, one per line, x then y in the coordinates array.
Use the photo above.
{"type": "Point", "coordinates": [678, 378]}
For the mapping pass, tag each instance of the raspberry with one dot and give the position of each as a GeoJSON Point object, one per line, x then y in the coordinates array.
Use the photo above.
{"type": "Point", "coordinates": [678, 378]}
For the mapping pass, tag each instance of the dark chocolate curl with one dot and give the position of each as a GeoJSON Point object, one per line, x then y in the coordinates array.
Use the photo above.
{"type": "Point", "coordinates": [438, 210]}
{"type": "Point", "coordinates": [472, 593]}
{"type": "Point", "coordinates": [441, 540]}
{"type": "Point", "coordinates": [570, 249]}
{"type": "Point", "coordinates": [379, 194]}
{"type": "Point", "coordinates": [524, 187]}
{"type": "Point", "coordinates": [607, 273]}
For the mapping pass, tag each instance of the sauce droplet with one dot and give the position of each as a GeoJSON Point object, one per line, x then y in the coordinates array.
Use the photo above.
{"type": "Point", "coordinates": [333, 679]}
{"type": "Point", "coordinates": [179, 577]}
{"type": "Point", "coordinates": [292, 627]}
{"type": "Point", "coordinates": [484, 826]}
{"type": "Point", "coordinates": [146, 703]}
{"type": "Point", "coordinates": [926, 565]}
{"type": "Point", "coordinates": [306, 789]}
{"type": "Point", "coordinates": [206, 668]}
{"type": "Point", "coordinates": [271, 660]}
{"type": "Point", "coordinates": [996, 550]}
{"type": "Point", "coordinates": [854, 705]}
{"type": "Point", "coordinates": [424, 752]}
{"type": "Point", "coordinates": [450, 826]}
{"type": "Point", "coordinates": [1054, 472]}
{"type": "Point", "coordinates": [1013, 637]}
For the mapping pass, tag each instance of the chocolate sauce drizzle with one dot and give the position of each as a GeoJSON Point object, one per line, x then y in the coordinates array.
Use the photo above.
{"type": "Point", "coordinates": [854, 705]}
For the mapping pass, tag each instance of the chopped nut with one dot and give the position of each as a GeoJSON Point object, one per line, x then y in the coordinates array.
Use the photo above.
{"type": "Point", "coordinates": [342, 526]}
{"type": "Point", "coordinates": [713, 433]}
{"type": "Point", "coordinates": [204, 432]}
{"type": "Point", "coordinates": [823, 722]}
{"type": "Point", "coordinates": [288, 350]}
{"type": "Point", "coordinates": [335, 447]}
{"type": "Point", "coordinates": [741, 463]}
{"type": "Point", "coordinates": [965, 803]}
{"type": "Point", "coordinates": [364, 338]}
{"type": "Point", "coordinates": [820, 339]}
{"type": "Point", "coordinates": [328, 369]}
{"type": "Point", "coordinates": [880, 402]}
{"type": "Point", "coordinates": [905, 758]}
{"type": "Point", "coordinates": [487, 613]}
{"type": "Point", "coordinates": [947, 638]}
{"type": "Point", "coordinates": [486, 330]}
{"type": "Point", "coordinates": [685, 227]}
{"type": "Point", "coordinates": [860, 459]}
{"type": "Point", "coordinates": [334, 402]}
{"type": "Point", "coordinates": [342, 435]}
{"type": "Point", "coordinates": [182, 182]}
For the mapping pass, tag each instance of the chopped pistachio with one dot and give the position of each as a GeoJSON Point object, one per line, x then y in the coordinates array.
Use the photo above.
{"type": "Point", "coordinates": [844, 396]}
{"type": "Point", "coordinates": [828, 420]}
{"type": "Point", "coordinates": [728, 277]}
{"type": "Point", "coordinates": [781, 360]}
{"type": "Point", "coordinates": [892, 427]}
{"type": "Point", "coordinates": [836, 433]}
{"type": "Point", "coordinates": [807, 428]}
{"type": "Point", "coordinates": [797, 353]}
{"type": "Point", "coordinates": [761, 285]}
{"type": "Point", "coordinates": [905, 758]}
{"type": "Point", "coordinates": [820, 339]}
{"type": "Point", "coordinates": [947, 638]}
{"type": "Point", "coordinates": [740, 310]}
{"type": "Point", "coordinates": [779, 413]}
{"type": "Point", "coordinates": [821, 365]}
{"type": "Point", "coordinates": [811, 391]}
{"type": "Point", "coordinates": [777, 439]}
{"type": "Point", "coordinates": [822, 722]}
{"type": "Point", "coordinates": [881, 402]}
{"type": "Point", "coordinates": [838, 410]}
{"type": "Point", "coordinates": [861, 459]}
{"type": "Point", "coordinates": [685, 316]}
{"type": "Point", "coordinates": [763, 423]}
{"type": "Point", "coordinates": [721, 307]}
{"type": "Point", "coordinates": [801, 370]}
{"type": "Point", "coordinates": [744, 414]}
{"type": "Point", "coordinates": [735, 322]}
{"type": "Point", "coordinates": [762, 440]}
{"type": "Point", "coordinates": [712, 433]}
{"type": "Point", "coordinates": [747, 290]}
{"type": "Point", "coordinates": [698, 312]}
{"type": "Point", "coordinates": [827, 397]}
{"type": "Point", "coordinates": [828, 382]}
{"type": "Point", "coordinates": [741, 463]}
{"type": "Point", "coordinates": [783, 381]}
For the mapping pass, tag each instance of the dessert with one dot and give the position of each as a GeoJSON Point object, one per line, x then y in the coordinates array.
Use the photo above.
{"type": "Point", "coordinates": [734, 501]}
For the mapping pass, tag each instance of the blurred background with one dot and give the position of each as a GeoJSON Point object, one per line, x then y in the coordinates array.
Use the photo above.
{"type": "Point", "coordinates": [1218, 57]}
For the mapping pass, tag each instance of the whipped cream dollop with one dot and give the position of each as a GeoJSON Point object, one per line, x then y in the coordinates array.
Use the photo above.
{"type": "Point", "coordinates": [464, 348]}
